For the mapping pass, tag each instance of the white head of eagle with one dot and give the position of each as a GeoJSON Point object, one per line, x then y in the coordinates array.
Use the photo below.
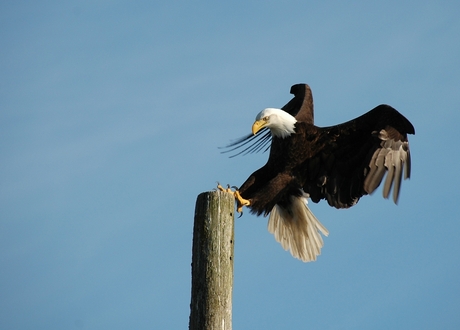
{"type": "Point", "coordinates": [280, 123]}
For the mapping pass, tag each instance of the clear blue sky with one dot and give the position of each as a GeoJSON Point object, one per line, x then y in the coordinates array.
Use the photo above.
{"type": "Point", "coordinates": [111, 113]}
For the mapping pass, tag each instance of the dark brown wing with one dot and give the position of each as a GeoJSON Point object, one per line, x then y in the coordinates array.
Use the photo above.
{"type": "Point", "coordinates": [350, 160]}
{"type": "Point", "coordinates": [301, 107]}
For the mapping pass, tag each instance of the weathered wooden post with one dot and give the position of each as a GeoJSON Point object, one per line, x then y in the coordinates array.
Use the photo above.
{"type": "Point", "coordinates": [212, 262]}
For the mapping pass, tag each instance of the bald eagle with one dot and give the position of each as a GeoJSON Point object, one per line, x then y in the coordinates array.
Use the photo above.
{"type": "Point", "coordinates": [339, 163]}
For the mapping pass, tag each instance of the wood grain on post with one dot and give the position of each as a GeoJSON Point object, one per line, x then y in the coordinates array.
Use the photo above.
{"type": "Point", "coordinates": [212, 262]}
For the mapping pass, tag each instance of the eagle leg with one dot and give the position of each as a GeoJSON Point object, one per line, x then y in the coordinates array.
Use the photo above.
{"type": "Point", "coordinates": [240, 200]}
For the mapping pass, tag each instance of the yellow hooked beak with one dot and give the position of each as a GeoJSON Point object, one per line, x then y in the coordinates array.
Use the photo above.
{"type": "Point", "coordinates": [258, 125]}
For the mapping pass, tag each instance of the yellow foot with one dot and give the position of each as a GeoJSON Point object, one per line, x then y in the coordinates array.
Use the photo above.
{"type": "Point", "coordinates": [219, 187]}
{"type": "Point", "coordinates": [240, 201]}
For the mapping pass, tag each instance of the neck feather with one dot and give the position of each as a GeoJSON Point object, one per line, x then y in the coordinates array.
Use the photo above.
{"type": "Point", "coordinates": [282, 124]}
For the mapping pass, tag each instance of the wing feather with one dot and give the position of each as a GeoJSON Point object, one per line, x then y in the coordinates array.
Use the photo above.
{"type": "Point", "coordinates": [408, 163]}
{"type": "Point", "coordinates": [390, 174]}
{"type": "Point", "coordinates": [398, 174]}
{"type": "Point", "coordinates": [259, 142]}
{"type": "Point", "coordinates": [364, 151]}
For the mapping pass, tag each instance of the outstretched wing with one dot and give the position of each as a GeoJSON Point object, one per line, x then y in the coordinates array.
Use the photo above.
{"type": "Point", "coordinates": [300, 106]}
{"type": "Point", "coordinates": [351, 159]}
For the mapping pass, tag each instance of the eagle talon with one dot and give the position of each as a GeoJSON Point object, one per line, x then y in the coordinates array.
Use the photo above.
{"type": "Point", "coordinates": [240, 202]}
{"type": "Point", "coordinates": [219, 187]}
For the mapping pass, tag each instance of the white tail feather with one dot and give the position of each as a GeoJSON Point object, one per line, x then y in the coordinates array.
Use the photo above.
{"type": "Point", "coordinates": [297, 229]}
